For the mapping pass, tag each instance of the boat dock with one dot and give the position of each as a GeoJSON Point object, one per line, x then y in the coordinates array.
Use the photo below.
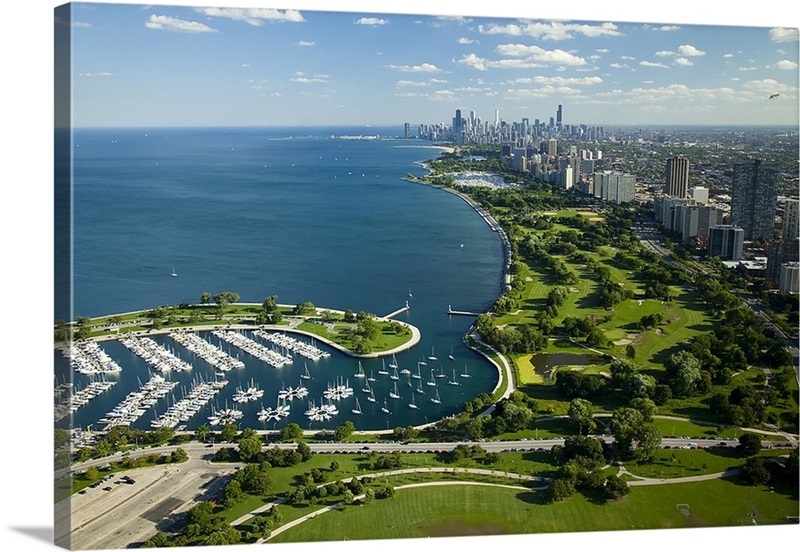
{"type": "Point", "coordinates": [464, 313]}
{"type": "Point", "coordinates": [398, 311]}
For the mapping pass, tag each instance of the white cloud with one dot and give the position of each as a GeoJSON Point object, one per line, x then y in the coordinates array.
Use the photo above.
{"type": "Point", "coordinates": [301, 78]}
{"type": "Point", "coordinates": [424, 68]}
{"type": "Point", "coordinates": [653, 64]}
{"type": "Point", "coordinates": [683, 61]}
{"type": "Point", "coordinates": [561, 81]}
{"type": "Point", "coordinates": [104, 74]}
{"type": "Point", "coordinates": [769, 86]}
{"type": "Point", "coordinates": [443, 95]}
{"type": "Point", "coordinates": [783, 35]}
{"type": "Point", "coordinates": [465, 40]}
{"type": "Point", "coordinates": [438, 81]}
{"type": "Point", "coordinates": [539, 55]}
{"type": "Point", "coordinates": [727, 55]}
{"type": "Point", "coordinates": [551, 31]}
{"type": "Point", "coordinates": [666, 53]}
{"type": "Point", "coordinates": [474, 61]}
{"type": "Point", "coordinates": [786, 65]}
{"type": "Point", "coordinates": [543, 92]}
{"type": "Point", "coordinates": [529, 57]}
{"type": "Point", "coordinates": [371, 21]}
{"type": "Point", "coordinates": [307, 43]}
{"type": "Point", "coordinates": [621, 66]}
{"type": "Point", "coordinates": [412, 83]}
{"type": "Point", "coordinates": [667, 28]}
{"type": "Point", "coordinates": [747, 68]}
{"type": "Point", "coordinates": [689, 51]}
{"type": "Point", "coordinates": [254, 16]}
{"type": "Point", "coordinates": [166, 23]}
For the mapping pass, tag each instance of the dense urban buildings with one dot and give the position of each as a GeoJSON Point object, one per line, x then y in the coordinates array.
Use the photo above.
{"type": "Point", "coordinates": [731, 211]}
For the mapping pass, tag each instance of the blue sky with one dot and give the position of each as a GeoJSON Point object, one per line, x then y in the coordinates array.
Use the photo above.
{"type": "Point", "coordinates": [180, 65]}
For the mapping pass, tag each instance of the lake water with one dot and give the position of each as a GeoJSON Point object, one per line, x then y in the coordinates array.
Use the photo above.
{"type": "Point", "coordinates": [286, 212]}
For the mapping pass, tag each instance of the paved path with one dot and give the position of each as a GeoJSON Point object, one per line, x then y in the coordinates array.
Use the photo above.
{"type": "Point", "coordinates": [327, 509]}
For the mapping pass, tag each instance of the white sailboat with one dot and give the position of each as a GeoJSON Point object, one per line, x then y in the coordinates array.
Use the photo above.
{"type": "Point", "coordinates": [432, 355]}
{"type": "Point", "coordinates": [383, 371]}
{"type": "Point", "coordinates": [305, 374]}
{"type": "Point", "coordinates": [465, 373]}
{"type": "Point", "coordinates": [393, 364]}
{"type": "Point", "coordinates": [394, 393]}
{"type": "Point", "coordinates": [417, 375]}
{"type": "Point", "coordinates": [436, 399]}
{"type": "Point", "coordinates": [412, 404]}
{"type": "Point", "coordinates": [371, 377]}
{"type": "Point", "coordinates": [360, 373]}
{"type": "Point", "coordinates": [450, 356]}
{"type": "Point", "coordinates": [394, 375]}
{"type": "Point", "coordinates": [384, 408]}
{"type": "Point", "coordinates": [173, 273]}
{"type": "Point", "coordinates": [357, 408]}
{"type": "Point", "coordinates": [371, 397]}
{"type": "Point", "coordinates": [454, 381]}
{"type": "Point", "coordinates": [431, 382]}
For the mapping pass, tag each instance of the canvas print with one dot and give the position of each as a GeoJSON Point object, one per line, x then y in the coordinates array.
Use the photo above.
{"type": "Point", "coordinates": [326, 276]}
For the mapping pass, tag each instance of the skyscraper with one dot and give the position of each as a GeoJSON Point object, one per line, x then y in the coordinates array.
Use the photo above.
{"type": "Point", "coordinates": [677, 177]}
{"type": "Point", "coordinates": [726, 242]}
{"type": "Point", "coordinates": [558, 116]}
{"type": "Point", "coordinates": [754, 199]}
{"type": "Point", "coordinates": [791, 219]}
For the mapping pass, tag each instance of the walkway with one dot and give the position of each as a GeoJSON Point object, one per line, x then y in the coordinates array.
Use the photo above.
{"type": "Point", "coordinates": [478, 471]}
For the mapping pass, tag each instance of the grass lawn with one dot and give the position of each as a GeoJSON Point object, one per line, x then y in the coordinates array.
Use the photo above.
{"type": "Point", "coordinates": [671, 463]}
{"type": "Point", "coordinates": [475, 510]}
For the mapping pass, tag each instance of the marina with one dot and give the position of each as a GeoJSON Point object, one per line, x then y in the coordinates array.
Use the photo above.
{"type": "Point", "coordinates": [157, 356]}
{"type": "Point", "coordinates": [251, 347]}
{"type": "Point", "coordinates": [210, 353]}
{"type": "Point", "coordinates": [137, 403]}
{"type": "Point", "coordinates": [194, 401]}
{"type": "Point", "coordinates": [87, 358]}
{"type": "Point", "coordinates": [297, 346]}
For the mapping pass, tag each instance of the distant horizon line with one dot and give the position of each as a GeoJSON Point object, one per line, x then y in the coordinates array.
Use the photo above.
{"type": "Point", "coordinates": [401, 125]}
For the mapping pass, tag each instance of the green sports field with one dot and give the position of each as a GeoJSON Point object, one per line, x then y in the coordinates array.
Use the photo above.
{"type": "Point", "coordinates": [462, 510]}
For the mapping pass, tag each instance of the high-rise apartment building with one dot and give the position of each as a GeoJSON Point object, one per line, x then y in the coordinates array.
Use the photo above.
{"type": "Point", "coordinates": [754, 199]}
{"type": "Point", "coordinates": [791, 219]}
{"type": "Point", "coordinates": [614, 187]}
{"type": "Point", "coordinates": [552, 147]}
{"type": "Point", "coordinates": [726, 242]}
{"type": "Point", "coordinates": [780, 252]}
{"type": "Point", "coordinates": [790, 278]}
{"type": "Point", "coordinates": [677, 177]}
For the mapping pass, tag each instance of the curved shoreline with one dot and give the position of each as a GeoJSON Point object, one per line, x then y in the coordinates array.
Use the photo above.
{"type": "Point", "coordinates": [415, 333]}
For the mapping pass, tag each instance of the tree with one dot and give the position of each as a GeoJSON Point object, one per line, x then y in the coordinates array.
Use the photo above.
{"type": "Point", "coordinates": [291, 432]}
{"type": "Point", "coordinates": [228, 432]}
{"type": "Point", "coordinates": [344, 430]}
{"type": "Point", "coordinates": [304, 450]}
{"type": "Point", "coordinates": [561, 489]}
{"type": "Point", "coordinates": [755, 471]}
{"type": "Point", "coordinates": [202, 433]}
{"type": "Point", "coordinates": [615, 487]}
{"type": "Point", "coordinates": [581, 414]}
{"type": "Point", "coordinates": [749, 444]}
{"type": "Point", "coordinates": [233, 493]}
{"type": "Point", "coordinates": [683, 371]}
{"type": "Point", "coordinates": [249, 447]}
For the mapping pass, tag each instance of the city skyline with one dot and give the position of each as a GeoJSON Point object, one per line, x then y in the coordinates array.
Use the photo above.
{"type": "Point", "coordinates": [178, 65]}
